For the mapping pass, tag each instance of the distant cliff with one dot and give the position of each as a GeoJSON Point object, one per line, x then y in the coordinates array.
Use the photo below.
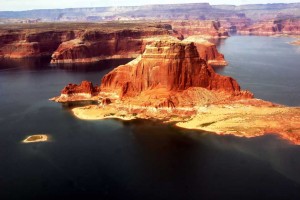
{"type": "Point", "coordinates": [90, 42]}
{"type": "Point", "coordinates": [189, 11]}
{"type": "Point", "coordinates": [73, 41]}
{"type": "Point", "coordinates": [290, 26]}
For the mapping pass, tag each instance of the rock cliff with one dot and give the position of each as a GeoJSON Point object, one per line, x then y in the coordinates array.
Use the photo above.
{"type": "Point", "coordinates": [289, 26]}
{"type": "Point", "coordinates": [205, 28]}
{"type": "Point", "coordinates": [173, 69]}
{"type": "Point", "coordinates": [30, 43]}
{"type": "Point", "coordinates": [73, 92]}
{"type": "Point", "coordinates": [169, 73]}
{"type": "Point", "coordinates": [90, 42]}
{"type": "Point", "coordinates": [77, 42]}
{"type": "Point", "coordinates": [96, 45]}
{"type": "Point", "coordinates": [207, 51]}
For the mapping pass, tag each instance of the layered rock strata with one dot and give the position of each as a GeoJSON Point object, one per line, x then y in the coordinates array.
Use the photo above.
{"type": "Point", "coordinates": [168, 74]}
{"type": "Point", "coordinates": [73, 92]}
{"type": "Point", "coordinates": [170, 81]}
{"type": "Point", "coordinates": [84, 42]}
{"type": "Point", "coordinates": [207, 51]}
{"type": "Point", "coordinates": [172, 66]}
{"type": "Point", "coordinates": [22, 44]}
{"type": "Point", "coordinates": [95, 45]}
{"type": "Point", "coordinates": [78, 42]}
{"type": "Point", "coordinates": [273, 27]}
{"type": "Point", "coordinates": [205, 28]}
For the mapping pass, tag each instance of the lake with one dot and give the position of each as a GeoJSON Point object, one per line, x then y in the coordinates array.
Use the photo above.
{"type": "Point", "coordinates": [140, 159]}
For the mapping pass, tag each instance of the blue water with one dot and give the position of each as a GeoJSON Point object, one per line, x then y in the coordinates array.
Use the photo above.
{"type": "Point", "coordinates": [267, 66]}
{"type": "Point", "coordinates": [112, 159]}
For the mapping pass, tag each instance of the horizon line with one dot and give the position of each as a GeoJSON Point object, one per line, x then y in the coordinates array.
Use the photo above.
{"type": "Point", "coordinates": [143, 5]}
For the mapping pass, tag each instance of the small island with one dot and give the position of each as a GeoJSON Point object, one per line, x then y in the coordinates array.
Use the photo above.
{"type": "Point", "coordinates": [36, 138]}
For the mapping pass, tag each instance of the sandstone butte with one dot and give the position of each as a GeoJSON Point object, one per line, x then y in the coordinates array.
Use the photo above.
{"type": "Point", "coordinates": [91, 42]}
{"type": "Point", "coordinates": [170, 82]}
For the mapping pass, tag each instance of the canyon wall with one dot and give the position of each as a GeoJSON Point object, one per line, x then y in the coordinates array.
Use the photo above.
{"type": "Point", "coordinates": [96, 45]}
{"type": "Point", "coordinates": [205, 28]}
{"type": "Point", "coordinates": [81, 41]}
{"type": "Point", "coordinates": [207, 51]}
{"type": "Point", "coordinates": [289, 26]}
{"type": "Point", "coordinates": [90, 42]}
{"type": "Point", "coordinates": [27, 43]}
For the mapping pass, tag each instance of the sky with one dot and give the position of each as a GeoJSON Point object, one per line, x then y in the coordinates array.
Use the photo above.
{"type": "Point", "coordinates": [15, 5]}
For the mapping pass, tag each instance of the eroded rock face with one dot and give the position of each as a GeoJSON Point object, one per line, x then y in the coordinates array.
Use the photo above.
{"type": "Point", "coordinates": [94, 42]}
{"type": "Point", "coordinates": [273, 27]}
{"type": "Point", "coordinates": [207, 51]}
{"type": "Point", "coordinates": [85, 87]}
{"type": "Point", "coordinates": [170, 81]}
{"type": "Point", "coordinates": [168, 67]}
{"type": "Point", "coordinates": [78, 42]}
{"type": "Point", "coordinates": [73, 92]}
{"type": "Point", "coordinates": [235, 23]}
{"type": "Point", "coordinates": [96, 45]}
{"type": "Point", "coordinates": [205, 28]}
{"type": "Point", "coordinates": [22, 44]}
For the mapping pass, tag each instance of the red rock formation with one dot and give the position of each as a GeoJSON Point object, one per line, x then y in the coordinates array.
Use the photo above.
{"type": "Point", "coordinates": [78, 42]}
{"type": "Point", "coordinates": [172, 83]}
{"type": "Point", "coordinates": [205, 28]}
{"type": "Point", "coordinates": [273, 27]}
{"type": "Point", "coordinates": [167, 69]}
{"type": "Point", "coordinates": [97, 45]}
{"type": "Point", "coordinates": [233, 24]}
{"type": "Point", "coordinates": [32, 44]}
{"type": "Point", "coordinates": [84, 89]}
{"type": "Point", "coordinates": [207, 51]}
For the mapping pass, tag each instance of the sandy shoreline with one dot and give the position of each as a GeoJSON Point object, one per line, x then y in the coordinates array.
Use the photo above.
{"type": "Point", "coordinates": [237, 119]}
{"type": "Point", "coordinates": [248, 121]}
{"type": "Point", "coordinates": [94, 112]}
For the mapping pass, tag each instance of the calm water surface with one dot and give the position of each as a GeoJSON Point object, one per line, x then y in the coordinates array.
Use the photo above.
{"type": "Point", "coordinates": [111, 159]}
{"type": "Point", "coordinates": [267, 66]}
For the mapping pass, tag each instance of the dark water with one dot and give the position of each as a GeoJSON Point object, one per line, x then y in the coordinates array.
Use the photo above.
{"type": "Point", "coordinates": [111, 159]}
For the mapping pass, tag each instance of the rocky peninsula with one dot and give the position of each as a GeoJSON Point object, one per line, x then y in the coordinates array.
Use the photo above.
{"type": "Point", "coordinates": [171, 82]}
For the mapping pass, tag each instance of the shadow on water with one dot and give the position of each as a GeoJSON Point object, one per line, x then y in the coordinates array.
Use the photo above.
{"type": "Point", "coordinates": [25, 63]}
{"type": "Point", "coordinates": [89, 67]}
{"type": "Point", "coordinates": [43, 63]}
{"type": "Point", "coordinates": [74, 104]}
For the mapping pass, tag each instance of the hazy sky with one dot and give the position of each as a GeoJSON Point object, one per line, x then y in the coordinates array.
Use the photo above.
{"type": "Point", "coordinates": [44, 4]}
